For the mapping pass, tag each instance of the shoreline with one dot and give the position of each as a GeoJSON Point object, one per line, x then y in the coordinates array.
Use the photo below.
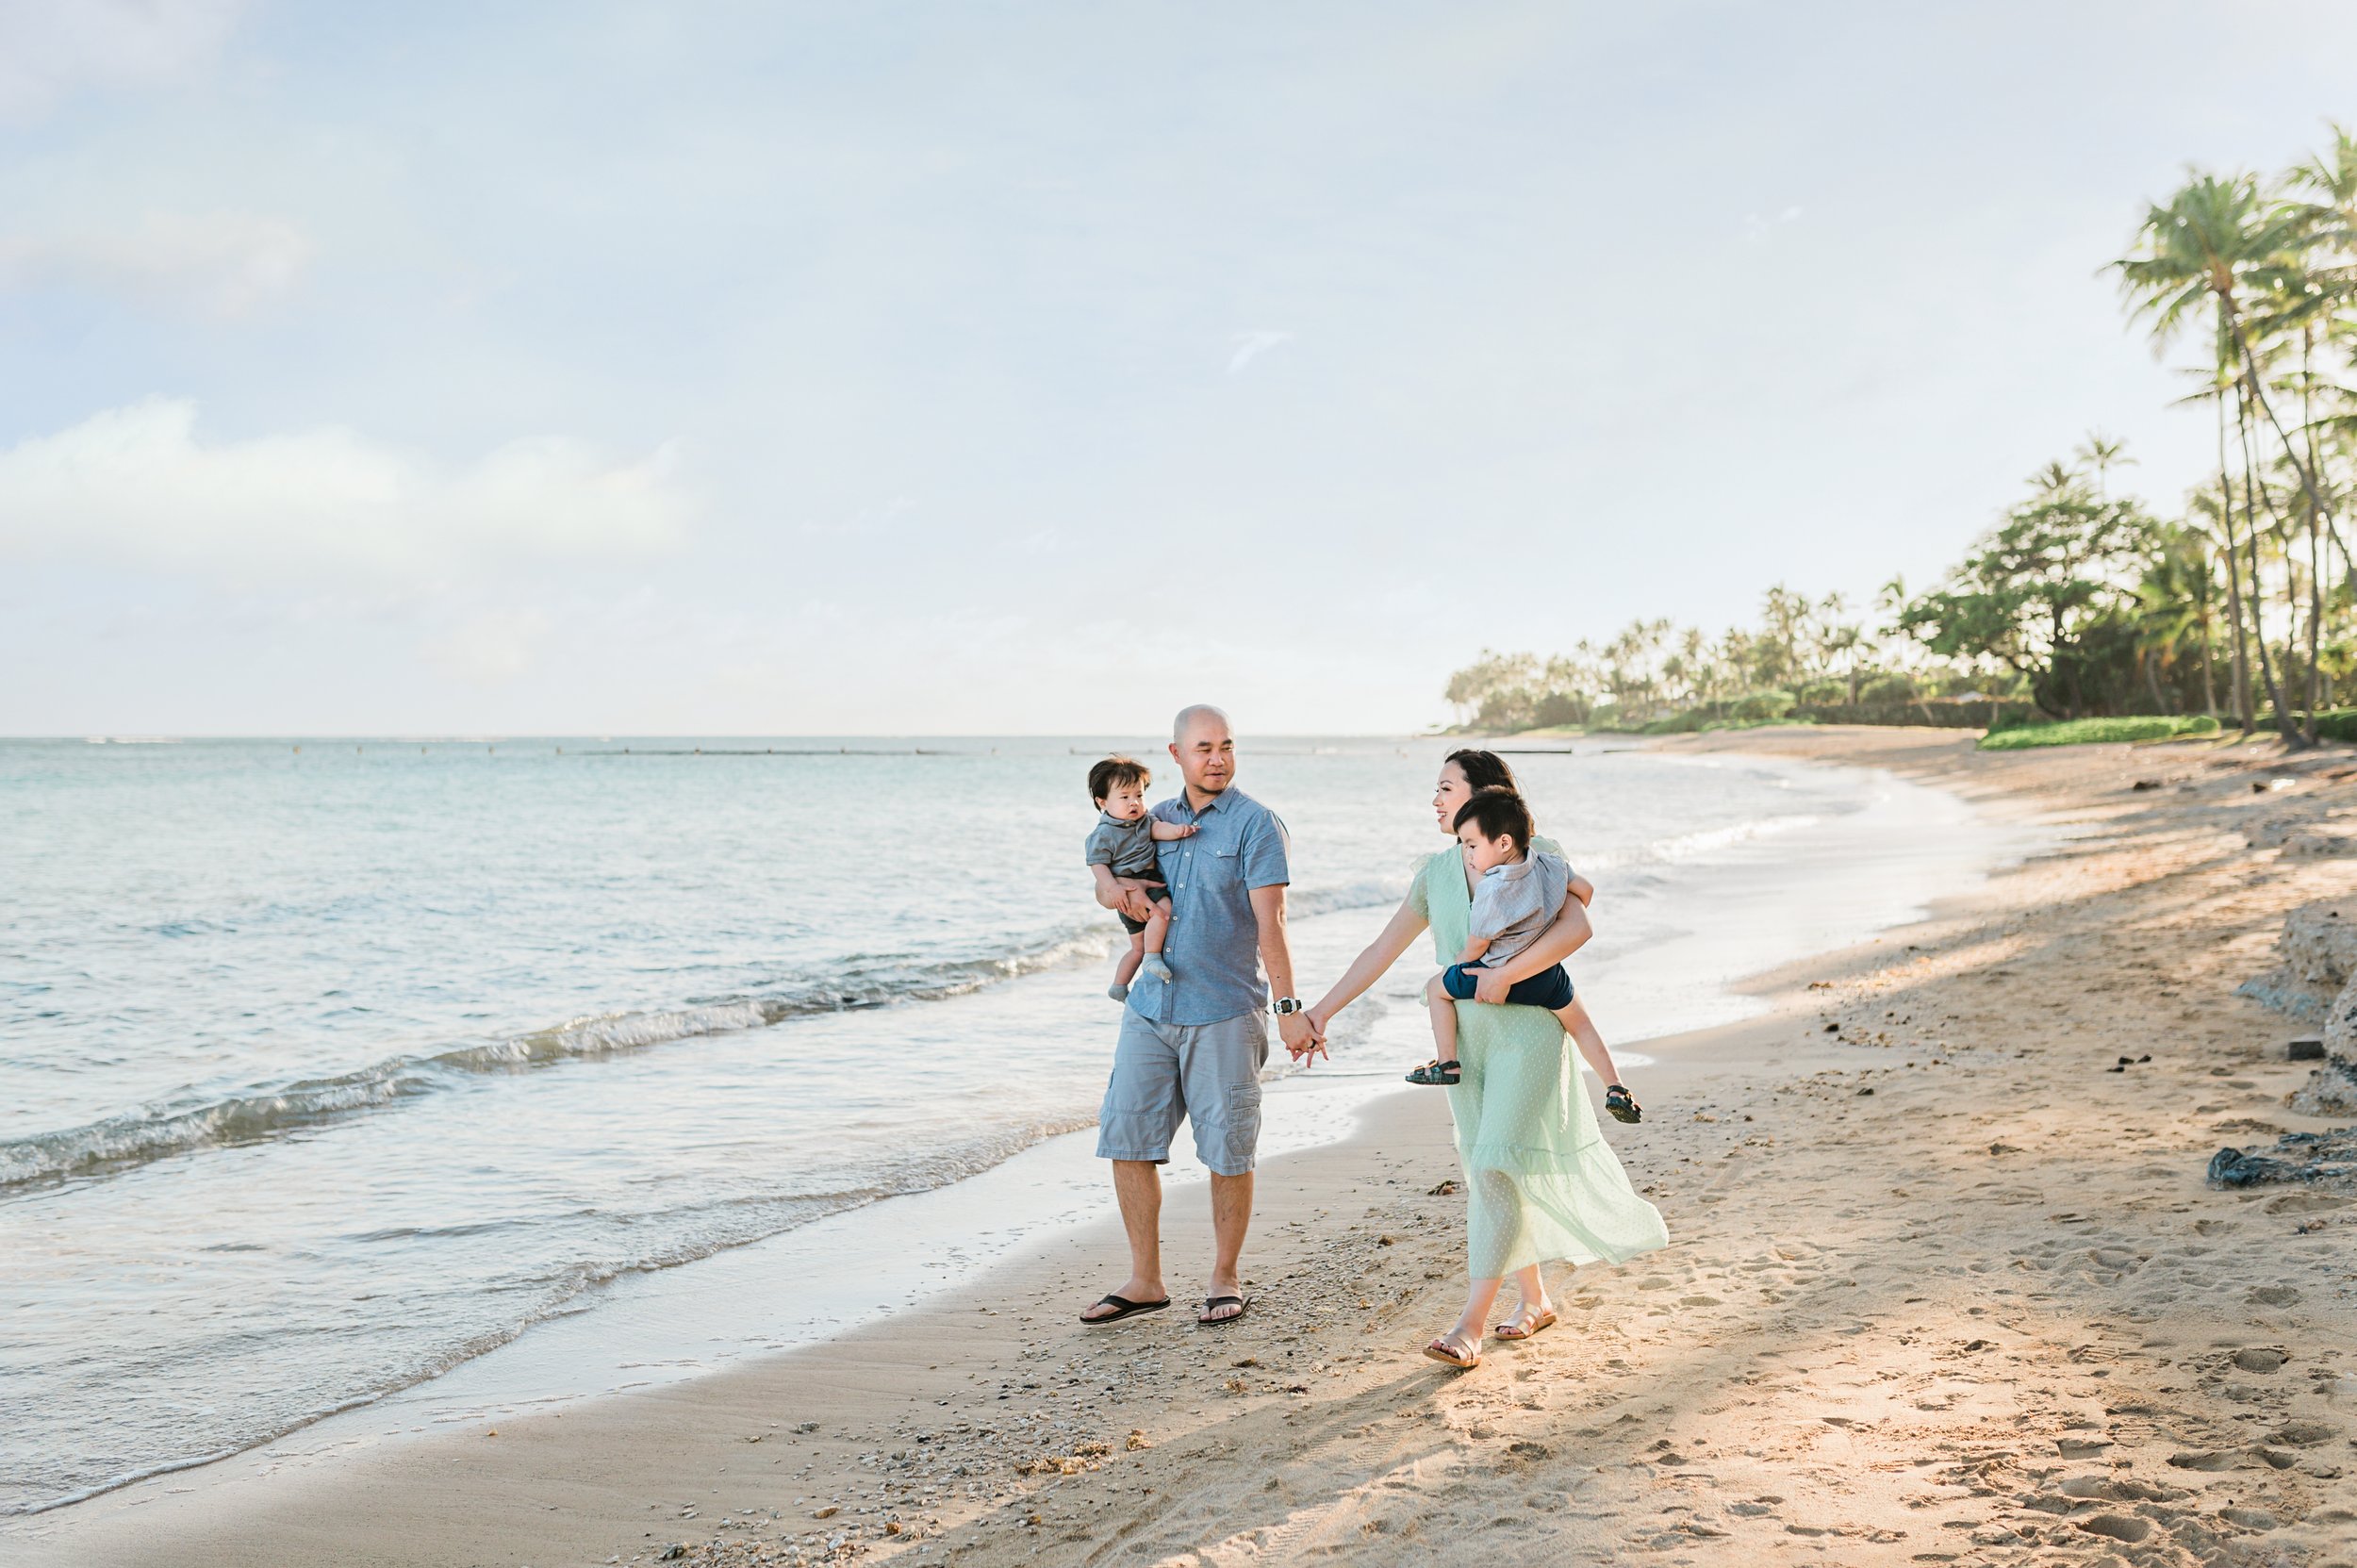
{"type": "Point", "coordinates": [1350, 1259]}
{"type": "Point", "coordinates": [676, 1323]}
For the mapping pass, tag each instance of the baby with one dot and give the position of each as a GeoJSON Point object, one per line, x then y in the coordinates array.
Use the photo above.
{"type": "Point", "coordinates": [1518, 895]}
{"type": "Point", "coordinates": [1121, 854]}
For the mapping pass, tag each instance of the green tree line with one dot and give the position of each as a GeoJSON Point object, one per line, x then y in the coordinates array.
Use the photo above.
{"type": "Point", "coordinates": [2083, 602]}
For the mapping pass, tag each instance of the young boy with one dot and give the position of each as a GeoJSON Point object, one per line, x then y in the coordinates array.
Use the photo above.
{"type": "Point", "coordinates": [1121, 851]}
{"type": "Point", "coordinates": [1518, 895]}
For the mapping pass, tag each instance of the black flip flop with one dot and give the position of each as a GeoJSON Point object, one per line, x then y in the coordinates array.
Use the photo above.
{"type": "Point", "coordinates": [1127, 1308]}
{"type": "Point", "coordinates": [1436, 1075]}
{"type": "Point", "coordinates": [1244, 1305]}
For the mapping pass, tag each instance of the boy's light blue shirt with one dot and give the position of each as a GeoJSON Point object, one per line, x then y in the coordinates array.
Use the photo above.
{"type": "Point", "coordinates": [1213, 947]}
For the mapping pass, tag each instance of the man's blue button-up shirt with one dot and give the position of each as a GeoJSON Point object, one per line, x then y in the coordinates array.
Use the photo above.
{"type": "Point", "coordinates": [1213, 947]}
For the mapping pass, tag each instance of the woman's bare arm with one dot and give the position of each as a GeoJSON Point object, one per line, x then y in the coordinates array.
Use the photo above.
{"type": "Point", "coordinates": [1396, 936]}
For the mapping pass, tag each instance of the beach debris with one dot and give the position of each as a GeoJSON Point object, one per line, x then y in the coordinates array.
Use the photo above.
{"type": "Point", "coordinates": [2308, 1048]}
{"type": "Point", "coordinates": [1137, 1441]}
{"type": "Point", "coordinates": [1443, 1190]}
{"type": "Point", "coordinates": [827, 1512]}
{"type": "Point", "coordinates": [2330, 1157]}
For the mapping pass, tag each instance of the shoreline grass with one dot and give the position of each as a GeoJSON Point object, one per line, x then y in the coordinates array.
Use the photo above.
{"type": "Point", "coordinates": [2089, 732]}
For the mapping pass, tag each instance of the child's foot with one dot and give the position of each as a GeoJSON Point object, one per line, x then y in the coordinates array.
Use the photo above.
{"type": "Point", "coordinates": [1623, 1106]}
{"type": "Point", "coordinates": [1155, 966]}
{"type": "Point", "coordinates": [1117, 991]}
{"type": "Point", "coordinates": [1435, 1074]}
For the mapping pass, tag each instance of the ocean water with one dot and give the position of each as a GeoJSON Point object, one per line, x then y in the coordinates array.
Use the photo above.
{"type": "Point", "coordinates": [325, 1067]}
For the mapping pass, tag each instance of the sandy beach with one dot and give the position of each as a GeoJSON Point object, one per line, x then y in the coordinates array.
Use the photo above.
{"type": "Point", "coordinates": [1943, 1287]}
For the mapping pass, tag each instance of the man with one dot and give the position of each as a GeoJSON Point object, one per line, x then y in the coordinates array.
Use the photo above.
{"type": "Point", "coordinates": [1192, 1047]}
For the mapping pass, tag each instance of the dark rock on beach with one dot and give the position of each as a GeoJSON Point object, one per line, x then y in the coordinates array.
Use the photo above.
{"type": "Point", "coordinates": [2326, 1157]}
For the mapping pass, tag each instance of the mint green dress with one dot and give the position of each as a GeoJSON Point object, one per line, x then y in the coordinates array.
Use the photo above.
{"type": "Point", "coordinates": [1541, 1182]}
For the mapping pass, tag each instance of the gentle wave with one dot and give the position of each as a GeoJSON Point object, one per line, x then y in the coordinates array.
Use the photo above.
{"type": "Point", "coordinates": [266, 1111]}
{"type": "Point", "coordinates": [156, 1132]}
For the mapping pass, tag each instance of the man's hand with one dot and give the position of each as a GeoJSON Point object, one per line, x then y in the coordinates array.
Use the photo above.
{"type": "Point", "coordinates": [1301, 1038]}
{"type": "Point", "coordinates": [1135, 904]}
{"type": "Point", "coordinates": [1491, 987]}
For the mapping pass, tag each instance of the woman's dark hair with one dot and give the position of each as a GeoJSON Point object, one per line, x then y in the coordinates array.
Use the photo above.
{"type": "Point", "coordinates": [1483, 769]}
{"type": "Point", "coordinates": [1112, 773]}
{"type": "Point", "coordinates": [1499, 814]}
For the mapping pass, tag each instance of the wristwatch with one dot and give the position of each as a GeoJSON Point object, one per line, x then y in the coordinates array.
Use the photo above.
{"type": "Point", "coordinates": [1284, 1005]}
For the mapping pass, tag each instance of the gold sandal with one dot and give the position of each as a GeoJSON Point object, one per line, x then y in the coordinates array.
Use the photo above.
{"type": "Point", "coordinates": [1445, 1349]}
{"type": "Point", "coordinates": [1545, 1320]}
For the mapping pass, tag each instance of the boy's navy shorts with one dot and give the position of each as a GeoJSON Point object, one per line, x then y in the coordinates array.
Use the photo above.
{"type": "Point", "coordinates": [1160, 893]}
{"type": "Point", "coordinates": [1549, 988]}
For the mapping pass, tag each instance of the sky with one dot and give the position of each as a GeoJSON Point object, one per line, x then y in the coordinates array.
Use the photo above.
{"type": "Point", "coordinates": [881, 368]}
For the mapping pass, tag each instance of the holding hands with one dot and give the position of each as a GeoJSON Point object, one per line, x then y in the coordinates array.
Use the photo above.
{"type": "Point", "coordinates": [1304, 1035]}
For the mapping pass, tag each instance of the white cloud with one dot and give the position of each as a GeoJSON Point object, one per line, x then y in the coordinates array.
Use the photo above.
{"type": "Point", "coordinates": [213, 263]}
{"type": "Point", "coordinates": [1248, 346]}
{"type": "Point", "coordinates": [49, 48]}
{"type": "Point", "coordinates": [137, 485]}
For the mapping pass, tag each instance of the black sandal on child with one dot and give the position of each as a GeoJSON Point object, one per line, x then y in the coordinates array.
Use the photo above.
{"type": "Point", "coordinates": [1621, 1105]}
{"type": "Point", "coordinates": [1435, 1074]}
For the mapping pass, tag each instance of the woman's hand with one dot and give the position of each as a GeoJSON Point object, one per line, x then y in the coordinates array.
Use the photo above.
{"type": "Point", "coordinates": [1319, 1017]}
{"type": "Point", "coordinates": [1491, 987]}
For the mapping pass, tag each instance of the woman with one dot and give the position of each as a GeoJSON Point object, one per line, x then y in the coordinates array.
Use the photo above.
{"type": "Point", "coordinates": [1541, 1182]}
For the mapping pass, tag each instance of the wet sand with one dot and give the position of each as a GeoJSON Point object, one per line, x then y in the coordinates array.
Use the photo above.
{"type": "Point", "coordinates": [1942, 1287]}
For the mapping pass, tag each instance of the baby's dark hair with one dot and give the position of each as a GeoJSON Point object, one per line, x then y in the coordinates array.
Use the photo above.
{"type": "Point", "coordinates": [1112, 773]}
{"type": "Point", "coordinates": [1499, 814]}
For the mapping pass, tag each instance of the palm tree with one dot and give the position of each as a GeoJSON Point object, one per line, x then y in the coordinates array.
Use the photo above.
{"type": "Point", "coordinates": [2328, 224]}
{"type": "Point", "coordinates": [2251, 486]}
{"type": "Point", "coordinates": [2052, 480]}
{"type": "Point", "coordinates": [2217, 243]}
{"type": "Point", "coordinates": [2103, 454]}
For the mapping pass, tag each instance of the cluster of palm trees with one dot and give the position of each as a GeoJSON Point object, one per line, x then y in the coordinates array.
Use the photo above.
{"type": "Point", "coordinates": [2081, 601]}
{"type": "Point", "coordinates": [2262, 274]}
{"type": "Point", "coordinates": [1803, 649]}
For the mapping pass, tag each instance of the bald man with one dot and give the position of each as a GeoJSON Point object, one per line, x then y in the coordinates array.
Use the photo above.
{"type": "Point", "coordinates": [1192, 1047]}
